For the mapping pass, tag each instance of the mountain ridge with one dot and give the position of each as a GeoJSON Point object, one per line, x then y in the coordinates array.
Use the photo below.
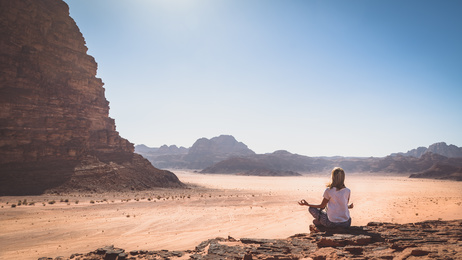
{"type": "Point", "coordinates": [450, 151]}
{"type": "Point", "coordinates": [416, 162]}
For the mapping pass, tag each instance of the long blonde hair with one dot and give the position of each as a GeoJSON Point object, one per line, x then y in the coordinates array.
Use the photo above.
{"type": "Point", "coordinates": [338, 179]}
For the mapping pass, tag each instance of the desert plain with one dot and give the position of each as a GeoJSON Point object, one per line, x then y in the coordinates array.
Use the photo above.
{"type": "Point", "coordinates": [212, 206]}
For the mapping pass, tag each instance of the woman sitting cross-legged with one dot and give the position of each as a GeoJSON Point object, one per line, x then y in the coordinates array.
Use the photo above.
{"type": "Point", "coordinates": [336, 197]}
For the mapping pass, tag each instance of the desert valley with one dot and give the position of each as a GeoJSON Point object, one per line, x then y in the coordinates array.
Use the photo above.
{"type": "Point", "coordinates": [213, 206]}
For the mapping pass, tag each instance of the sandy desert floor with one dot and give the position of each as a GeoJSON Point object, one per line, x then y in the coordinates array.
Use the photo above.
{"type": "Point", "coordinates": [221, 206]}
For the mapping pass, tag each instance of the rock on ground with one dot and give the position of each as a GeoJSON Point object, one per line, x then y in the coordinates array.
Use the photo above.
{"type": "Point", "coordinates": [423, 240]}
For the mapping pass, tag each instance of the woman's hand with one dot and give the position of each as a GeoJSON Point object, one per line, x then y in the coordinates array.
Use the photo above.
{"type": "Point", "coordinates": [303, 203]}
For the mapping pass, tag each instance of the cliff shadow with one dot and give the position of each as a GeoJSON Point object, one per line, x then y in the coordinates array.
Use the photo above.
{"type": "Point", "coordinates": [34, 178]}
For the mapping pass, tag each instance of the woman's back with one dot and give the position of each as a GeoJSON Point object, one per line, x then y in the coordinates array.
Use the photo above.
{"type": "Point", "coordinates": [337, 207]}
{"type": "Point", "coordinates": [336, 198]}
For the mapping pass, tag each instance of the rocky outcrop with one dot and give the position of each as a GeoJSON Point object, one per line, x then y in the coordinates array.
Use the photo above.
{"type": "Point", "coordinates": [163, 150]}
{"type": "Point", "coordinates": [441, 171]}
{"type": "Point", "coordinates": [54, 116]}
{"type": "Point", "coordinates": [247, 166]}
{"type": "Point", "coordinates": [222, 145]}
{"type": "Point", "coordinates": [423, 240]}
{"type": "Point", "coordinates": [204, 153]}
{"type": "Point", "coordinates": [417, 152]}
{"type": "Point", "coordinates": [225, 155]}
{"type": "Point", "coordinates": [281, 161]}
{"type": "Point", "coordinates": [450, 151]}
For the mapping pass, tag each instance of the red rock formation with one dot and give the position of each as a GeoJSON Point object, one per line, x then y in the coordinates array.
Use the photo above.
{"type": "Point", "coordinates": [429, 239]}
{"type": "Point", "coordinates": [53, 112]}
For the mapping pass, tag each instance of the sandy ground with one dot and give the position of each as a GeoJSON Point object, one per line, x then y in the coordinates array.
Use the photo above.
{"type": "Point", "coordinates": [237, 206]}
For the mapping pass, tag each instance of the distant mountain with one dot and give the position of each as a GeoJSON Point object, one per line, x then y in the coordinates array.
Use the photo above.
{"type": "Point", "coordinates": [163, 150]}
{"type": "Point", "coordinates": [141, 148]}
{"type": "Point", "coordinates": [277, 161]}
{"type": "Point", "coordinates": [441, 171]}
{"type": "Point", "coordinates": [205, 152]}
{"type": "Point", "coordinates": [413, 153]}
{"type": "Point", "coordinates": [284, 161]}
{"type": "Point", "coordinates": [202, 154]}
{"type": "Point", "coordinates": [225, 155]}
{"type": "Point", "coordinates": [450, 151]}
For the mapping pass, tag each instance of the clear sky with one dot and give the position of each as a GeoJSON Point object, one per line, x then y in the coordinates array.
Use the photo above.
{"type": "Point", "coordinates": [317, 78]}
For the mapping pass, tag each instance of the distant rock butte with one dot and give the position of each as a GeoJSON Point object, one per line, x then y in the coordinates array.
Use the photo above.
{"type": "Point", "coordinates": [55, 126]}
{"type": "Point", "coordinates": [450, 151]}
{"type": "Point", "coordinates": [203, 153]}
{"type": "Point", "coordinates": [423, 240]}
{"type": "Point", "coordinates": [223, 144]}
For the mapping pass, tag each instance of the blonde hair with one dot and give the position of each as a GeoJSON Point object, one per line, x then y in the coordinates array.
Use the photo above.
{"type": "Point", "coordinates": [338, 179]}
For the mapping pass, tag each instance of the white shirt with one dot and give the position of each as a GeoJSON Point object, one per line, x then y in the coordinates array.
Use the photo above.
{"type": "Point", "coordinates": [337, 207]}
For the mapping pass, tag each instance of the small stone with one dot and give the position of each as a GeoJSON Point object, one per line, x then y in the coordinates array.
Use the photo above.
{"type": "Point", "coordinates": [356, 250]}
{"type": "Point", "coordinates": [113, 253]}
{"type": "Point", "coordinates": [419, 252]}
{"type": "Point", "coordinates": [374, 224]}
{"type": "Point", "coordinates": [361, 240]}
{"type": "Point", "coordinates": [333, 241]}
{"type": "Point", "coordinates": [407, 229]}
{"type": "Point", "coordinates": [122, 256]}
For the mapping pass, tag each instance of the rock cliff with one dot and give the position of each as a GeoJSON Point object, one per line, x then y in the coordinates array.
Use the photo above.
{"type": "Point", "coordinates": [54, 117]}
{"type": "Point", "coordinates": [423, 240]}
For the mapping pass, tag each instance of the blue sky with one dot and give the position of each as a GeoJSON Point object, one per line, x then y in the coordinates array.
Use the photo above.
{"type": "Point", "coordinates": [317, 78]}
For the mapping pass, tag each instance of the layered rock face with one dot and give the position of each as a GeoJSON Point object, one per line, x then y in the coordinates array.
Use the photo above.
{"type": "Point", "coordinates": [54, 116]}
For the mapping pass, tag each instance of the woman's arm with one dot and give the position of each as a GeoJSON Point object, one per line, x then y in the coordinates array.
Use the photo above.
{"type": "Point", "coordinates": [320, 206]}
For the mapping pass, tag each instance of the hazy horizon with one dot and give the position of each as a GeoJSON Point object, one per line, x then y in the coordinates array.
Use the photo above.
{"type": "Point", "coordinates": [339, 155]}
{"type": "Point", "coordinates": [317, 78]}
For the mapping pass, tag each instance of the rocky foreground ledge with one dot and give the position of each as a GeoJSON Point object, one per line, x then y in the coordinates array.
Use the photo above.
{"type": "Point", "coordinates": [428, 239]}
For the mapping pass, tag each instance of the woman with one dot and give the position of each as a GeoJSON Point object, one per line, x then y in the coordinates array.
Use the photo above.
{"type": "Point", "coordinates": [336, 198]}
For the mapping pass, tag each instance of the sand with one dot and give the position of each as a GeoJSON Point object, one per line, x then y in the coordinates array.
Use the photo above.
{"type": "Point", "coordinates": [223, 205]}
